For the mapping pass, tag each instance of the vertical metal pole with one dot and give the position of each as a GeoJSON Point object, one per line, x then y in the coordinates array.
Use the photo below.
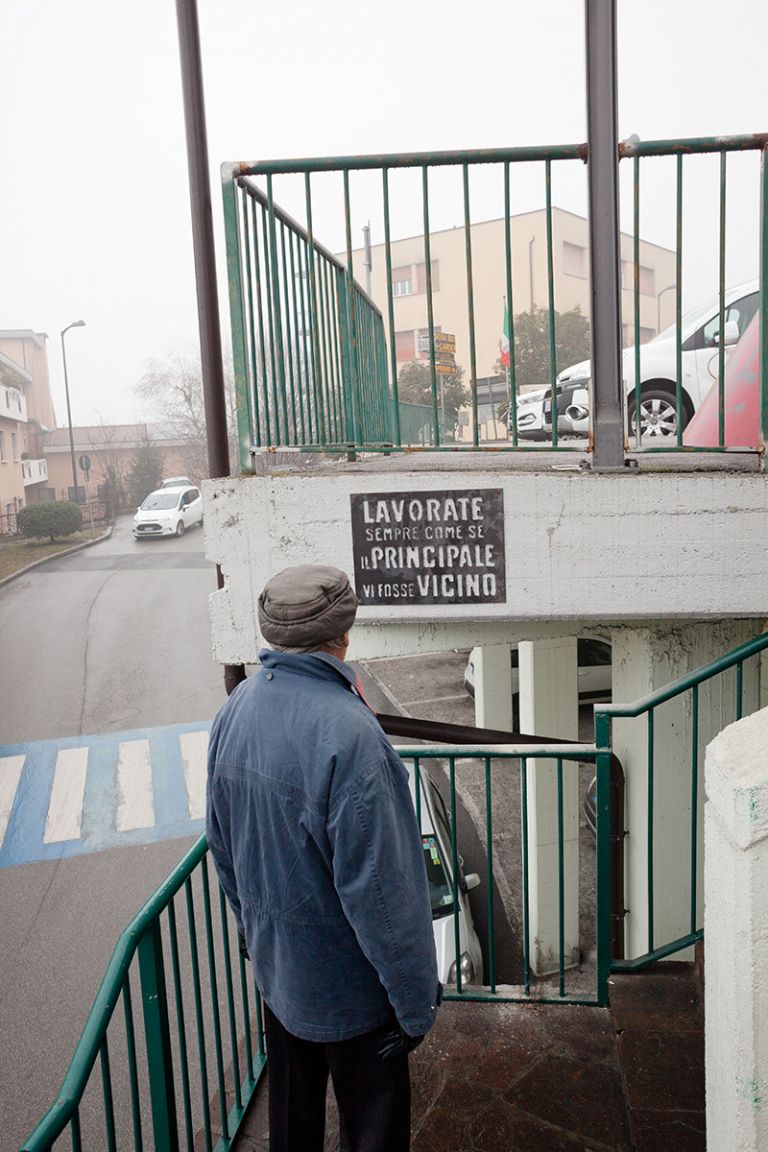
{"type": "Point", "coordinates": [157, 1030]}
{"type": "Point", "coordinates": [602, 175]}
{"type": "Point", "coordinates": [367, 261]}
{"type": "Point", "coordinates": [205, 260]}
{"type": "Point", "coordinates": [77, 324]}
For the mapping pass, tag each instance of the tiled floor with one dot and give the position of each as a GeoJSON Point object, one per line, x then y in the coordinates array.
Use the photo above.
{"type": "Point", "coordinates": [535, 1078]}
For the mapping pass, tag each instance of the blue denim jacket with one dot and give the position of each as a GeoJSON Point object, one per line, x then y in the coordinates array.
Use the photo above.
{"type": "Point", "coordinates": [313, 833]}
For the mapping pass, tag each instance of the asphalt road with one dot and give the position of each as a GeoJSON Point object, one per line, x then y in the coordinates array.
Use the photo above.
{"type": "Point", "coordinates": [113, 637]}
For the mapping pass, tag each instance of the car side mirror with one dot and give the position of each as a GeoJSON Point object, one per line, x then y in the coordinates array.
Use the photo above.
{"type": "Point", "coordinates": [730, 335]}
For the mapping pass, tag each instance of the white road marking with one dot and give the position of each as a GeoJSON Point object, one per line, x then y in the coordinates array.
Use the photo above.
{"type": "Point", "coordinates": [65, 808]}
{"type": "Point", "coordinates": [10, 774]}
{"type": "Point", "coordinates": [194, 753]}
{"type": "Point", "coordinates": [136, 806]}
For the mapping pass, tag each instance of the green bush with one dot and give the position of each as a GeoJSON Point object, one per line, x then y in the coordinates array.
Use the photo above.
{"type": "Point", "coordinates": [50, 518]}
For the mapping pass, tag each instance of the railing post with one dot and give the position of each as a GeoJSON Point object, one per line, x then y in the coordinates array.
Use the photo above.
{"type": "Point", "coordinates": [154, 1002]}
{"type": "Point", "coordinates": [603, 183]}
{"type": "Point", "coordinates": [603, 846]}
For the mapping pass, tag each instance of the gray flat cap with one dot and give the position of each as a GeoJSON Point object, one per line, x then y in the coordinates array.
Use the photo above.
{"type": "Point", "coordinates": [307, 604]}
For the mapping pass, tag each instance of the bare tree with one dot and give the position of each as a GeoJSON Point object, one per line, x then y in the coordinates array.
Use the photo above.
{"type": "Point", "coordinates": [173, 387]}
{"type": "Point", "coordinates": [110, 454]}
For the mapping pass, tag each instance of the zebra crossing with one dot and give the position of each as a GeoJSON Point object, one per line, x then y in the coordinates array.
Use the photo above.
{"type": "Point", "coordinates": [60, 798]}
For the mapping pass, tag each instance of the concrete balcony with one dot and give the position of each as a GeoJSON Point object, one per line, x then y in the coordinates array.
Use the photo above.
{"type": "Point", "coordinates": [34, 471]}
{"type": "Point", "coordinates": [13, 404]}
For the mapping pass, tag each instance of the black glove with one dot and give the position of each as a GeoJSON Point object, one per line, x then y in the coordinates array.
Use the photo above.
{"type": "Point", "coordinates": [396, 1043]}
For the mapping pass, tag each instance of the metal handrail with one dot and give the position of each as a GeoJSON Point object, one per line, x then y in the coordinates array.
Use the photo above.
{"type": "Point", "coordinates": [87, 1049]}
{"type": "Point", "coordinates": [683, 683]}
{"type": "Point", "coordinates": [646, 706]}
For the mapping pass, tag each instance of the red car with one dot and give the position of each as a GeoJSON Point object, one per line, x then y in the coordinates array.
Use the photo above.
{"type": "Point", "coordinates": [741, 397]}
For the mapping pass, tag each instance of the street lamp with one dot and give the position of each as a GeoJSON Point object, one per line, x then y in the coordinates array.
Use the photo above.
{"type": "Point", "coordinates": [669, 288]}
{"type": "Point", "coordinates": [75, 324]}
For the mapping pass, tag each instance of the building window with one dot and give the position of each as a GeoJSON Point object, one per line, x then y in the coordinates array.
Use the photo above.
{"type": "Point", "coordinates": [14, 445]}
{"type": "Point", "coordinates": [647, 278]}
{"type": "Point", "coordinates": [3, 457]}
{"type": "Point", "coordinates": [405, 345]}
{"type": "Point", "coordinates": [421, 276]}
{"type": "Point", "coordinates": [402, 281]}
{"type": "Point", "coordinates": [574, 260]}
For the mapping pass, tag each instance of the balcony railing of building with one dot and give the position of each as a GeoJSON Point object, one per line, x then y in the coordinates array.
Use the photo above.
{"type": "Point", "coordinates": [315, 357]}
{"type": "Point", "coordinates": [13, 404]}
{"type": "Point", "coordinates": [34, 471]}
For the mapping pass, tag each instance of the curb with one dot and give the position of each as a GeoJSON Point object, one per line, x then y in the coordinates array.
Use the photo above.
{"type": "Point", "coordinates": [45, 559]}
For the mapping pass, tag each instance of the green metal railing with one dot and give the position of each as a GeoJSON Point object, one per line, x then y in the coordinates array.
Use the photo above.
{"type": "Point", "coordinates": [687, 721]}
{"type": "Point", "coordinates": [184, 1074]}
{"type": "Point", "coordinates": [181, 1076]}
{"type": "Point", "coordinates": [308, 343]}
{"type": "Point", "coordinates": [682, 150]}
{"type": "Point", "coordinates": [506, 771]}
{"type": "Point", "coordinates": [316, 362]}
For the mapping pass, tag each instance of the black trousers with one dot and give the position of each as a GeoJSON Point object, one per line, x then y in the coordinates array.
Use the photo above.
{"type": "Point", "coordinates": [373, 1095]}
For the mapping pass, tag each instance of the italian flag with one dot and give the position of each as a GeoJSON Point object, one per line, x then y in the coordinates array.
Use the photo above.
{"type": "Point", "coordinates": [505, 339]}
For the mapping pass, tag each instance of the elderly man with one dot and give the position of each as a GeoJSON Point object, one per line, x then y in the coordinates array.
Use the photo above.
{"type": "Point", "coordinates": [314, 836]}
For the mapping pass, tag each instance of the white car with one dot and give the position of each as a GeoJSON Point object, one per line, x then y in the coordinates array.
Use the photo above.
{"type": "Point", "coordinates": [436, 842]}
{"type": "Point", "coordinates": [658, 368]}
{"type": "Point", "coordinates": [594, 671]}
{"type": "Point", "coordinates": [168, 512]}
{"type": "Point", "coordinates": [530, 415]}
{"type": "Point", "coordinates": [176, 482]}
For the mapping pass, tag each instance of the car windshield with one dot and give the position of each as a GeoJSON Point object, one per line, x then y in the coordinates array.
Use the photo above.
{"type": "Point", "coordinates": [157, 501]}
{"type": "Point", "coordinates": [440, 894]}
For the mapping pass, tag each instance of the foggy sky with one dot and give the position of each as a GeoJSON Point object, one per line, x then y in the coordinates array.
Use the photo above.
{"type": "Point", "coordinates": [93, 181]}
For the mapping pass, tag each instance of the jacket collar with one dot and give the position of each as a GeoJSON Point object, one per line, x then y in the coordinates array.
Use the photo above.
{"type": "Point", "coordinates": [320, 665]}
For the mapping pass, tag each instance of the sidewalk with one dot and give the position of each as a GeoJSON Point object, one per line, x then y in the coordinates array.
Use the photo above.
{"type": "Point", "coordinates": [536, 1078]}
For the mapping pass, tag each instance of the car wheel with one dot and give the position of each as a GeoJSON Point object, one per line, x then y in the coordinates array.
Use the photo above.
{"type": "Point", "coordinates": [180, 528]}
{"type": "Point", "coordinates": [658, 416]}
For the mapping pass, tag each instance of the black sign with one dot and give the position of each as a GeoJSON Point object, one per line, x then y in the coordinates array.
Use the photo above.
{"type": "Point", "coordinates": [85, 463]}
{"type": "Point", "coordinates": [429, 547]}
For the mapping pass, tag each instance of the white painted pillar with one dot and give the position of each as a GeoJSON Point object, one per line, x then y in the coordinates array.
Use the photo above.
{"type": "Point", "coordinates": [549, 706]}
{"type": "Point", "coordinates": [736, 934]}
{"type": "Point", "coordinates": [493, 686]}
{"type": "Point", "coordinates": [644, 660]}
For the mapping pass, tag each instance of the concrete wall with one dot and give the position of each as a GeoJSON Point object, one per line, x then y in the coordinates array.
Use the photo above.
{"type": "Point", "coordinates": [736, 927]}
{"type": "Point", "coordinates": [582, 548]}
{"type": "Point", "coordinates": [646, 659]}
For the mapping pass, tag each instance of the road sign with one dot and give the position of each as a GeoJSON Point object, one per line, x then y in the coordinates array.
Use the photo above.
{"type": "Point", "coordinates": [444, 342]}
{"type": "Point", "coordinates": [445, 369]}
{"type": "Point", "coordinates": [445, 358]}
{"type": "Point", "coordinates": [85, 463]}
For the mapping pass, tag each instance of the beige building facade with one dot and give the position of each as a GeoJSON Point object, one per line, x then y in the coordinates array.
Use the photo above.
{"type": "Point", "coordinates": [529, 259]}
{"type": "Point", "coordinates": [111, 449]}
{"type": "Point", "coordinates": [26, 414]}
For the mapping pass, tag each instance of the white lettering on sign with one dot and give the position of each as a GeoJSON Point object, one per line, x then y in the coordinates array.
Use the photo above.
{"type": "Point", "coordinates": [429, 548]}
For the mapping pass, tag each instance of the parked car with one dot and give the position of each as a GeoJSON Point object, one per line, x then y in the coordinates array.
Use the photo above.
{"type": "Point", "coordinates": [530, 417]}
{"type": "Point", "coordinates": [436, 843]}
{"type": "Point", "coordinates": [594, 671]}
{"type": "Point", "coordinates": [741, 400]}
{"type": "Point", "coordinates": [168, 512]}
{"type": "Point", "coordinates": [176, 482]}
{"type": "Point", "coordinates": [658, 366]}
